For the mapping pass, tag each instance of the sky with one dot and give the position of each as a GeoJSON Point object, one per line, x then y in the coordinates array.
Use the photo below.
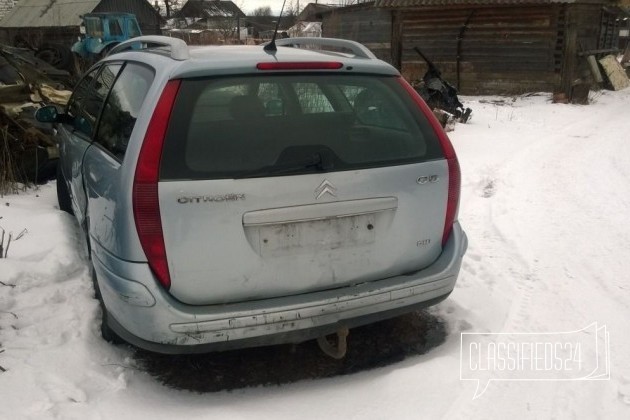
{"type": "Point", "coordinates": [250, 5]}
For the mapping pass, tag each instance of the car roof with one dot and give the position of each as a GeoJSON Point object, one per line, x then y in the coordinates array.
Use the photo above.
{"type": "Point", "coordinates": [185, 61]}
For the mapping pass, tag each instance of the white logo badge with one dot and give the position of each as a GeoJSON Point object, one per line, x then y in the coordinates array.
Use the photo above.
{"type": "Point", "coordinates": [326, 187]}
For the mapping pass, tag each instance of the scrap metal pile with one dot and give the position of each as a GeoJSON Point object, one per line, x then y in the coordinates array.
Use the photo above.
{"type": "Point", "coordinates": [27, 148]}
{"type": "Point", "coordinates": [441, 96]}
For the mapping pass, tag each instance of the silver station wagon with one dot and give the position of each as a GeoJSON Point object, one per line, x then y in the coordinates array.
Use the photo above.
{"type": "Point", "coordinates": [240, 196]}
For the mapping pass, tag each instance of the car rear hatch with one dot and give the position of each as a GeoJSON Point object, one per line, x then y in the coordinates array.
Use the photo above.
{"type": "Point", "coordinates": [288, 184]}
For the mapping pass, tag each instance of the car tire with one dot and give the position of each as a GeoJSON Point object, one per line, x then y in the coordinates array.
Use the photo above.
{"type": "Point", "coordinates": [80, 65]}
{"type": "Point", "coordinates": [63, 196]}
{"type": "Point", "coordinates": [106, 50]}
{"type": "Point", "coordinates": [56, 55]}
{"type": "Point", "coordinates": [107, 333]}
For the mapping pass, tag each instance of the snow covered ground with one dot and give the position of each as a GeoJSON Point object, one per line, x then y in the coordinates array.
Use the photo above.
{"type": "Point", "coordinates": [545, 204]}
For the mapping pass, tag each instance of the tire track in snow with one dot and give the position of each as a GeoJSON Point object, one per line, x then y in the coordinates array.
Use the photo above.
{"type": "Point", "coordinates": [574, 214]}
{"type": "Point", "coordinates": [528, 231]}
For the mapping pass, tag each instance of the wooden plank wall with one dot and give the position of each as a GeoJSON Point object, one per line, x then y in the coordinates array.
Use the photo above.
{"type": "Point", "coordinates": [504, 50]}
{"type": "Point", "coordinates": [583, 29]}
{"type": "Point", "coordinates": [369, 26]}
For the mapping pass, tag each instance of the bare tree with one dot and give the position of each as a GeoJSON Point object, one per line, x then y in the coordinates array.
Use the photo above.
{"type": "Point", "coordinates": [170, 7]}
{"type": "Point", "coordinates": [262, 11]}
{"type": "Point", "coordinates": [227, 27]}
{"type": "Point", "coordinates": [292, 9]}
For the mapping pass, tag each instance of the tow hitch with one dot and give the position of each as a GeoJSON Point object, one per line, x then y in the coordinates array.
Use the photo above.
{"type": "Point", "coordinates": [338, 351]}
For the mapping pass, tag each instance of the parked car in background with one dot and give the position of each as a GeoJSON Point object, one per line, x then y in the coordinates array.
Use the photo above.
{"type": "Point", "coordinates": [235, 196]}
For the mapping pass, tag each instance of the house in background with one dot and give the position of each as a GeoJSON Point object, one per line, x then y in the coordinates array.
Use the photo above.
{"type": "Point", "coordinates": [203, 22]}
{"type": "Point", "coordinates": [36, 22]}
{"type": "Point", "coordinates": [486, 46]}
{"type": "Point", "coordinates": [305, 29]}
{"type": "Point", "coordinates": [261, 27]}
{"type": "Point", "coordinates": [222, 21]}
{"type": "Point", "coordinates": [216, 21]}
{"type": "Point", "coordinates": [308, 23]}
{"type": "Point", "coordinates": [312, 12]}
{"type": "Point", "coordinates": [209, 13]}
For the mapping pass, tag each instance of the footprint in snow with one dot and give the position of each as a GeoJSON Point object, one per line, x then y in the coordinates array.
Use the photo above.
{"type": "Point", "coordinates": [60, 391]}
{"type": "Point", "coordinates": [623, 390]}
{"type": "Point", "coordinates": [489, 189]}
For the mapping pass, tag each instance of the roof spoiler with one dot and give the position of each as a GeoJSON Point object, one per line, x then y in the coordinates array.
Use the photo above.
{"type": "Point", "coordinates": [359, 50]}
{"type": "Point", "coordinates": [177, 48]}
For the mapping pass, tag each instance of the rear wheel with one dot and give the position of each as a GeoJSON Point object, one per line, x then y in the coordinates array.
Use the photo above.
{"type": "Point", "coordinates": [107, 333]}
{"type": "Point", "coordinates": [63, 197]}
{"type": "Point", "coordinates": [81, 64]}
{"type": "Point", "coordinates": [106, 50]}
{"type": "Point", "coordinates": [56, 55]}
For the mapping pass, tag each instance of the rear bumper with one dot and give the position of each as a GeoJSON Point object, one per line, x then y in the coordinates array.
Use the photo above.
{"type": "Point", "coordinates": [145, 315]}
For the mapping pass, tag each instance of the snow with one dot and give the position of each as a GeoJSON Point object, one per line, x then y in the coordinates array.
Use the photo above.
{"type": "Point", "coordinates": [249, 6]}
{"type": "Point", "coordinates": [545, 201]}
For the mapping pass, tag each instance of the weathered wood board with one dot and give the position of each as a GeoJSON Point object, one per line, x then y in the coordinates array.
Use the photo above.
{"type": "Point", "coordinates": [615, 73]}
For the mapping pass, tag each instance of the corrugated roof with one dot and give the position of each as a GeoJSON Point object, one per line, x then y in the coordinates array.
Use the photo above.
{"type": "Point", "coordinates": [411, 3]}
{"type": "Point", "coordinates": [210, 9]}
{"type": "Point", "coordinates": [45, 13]}
{"type": "Point", "coordinates": [312, 9]}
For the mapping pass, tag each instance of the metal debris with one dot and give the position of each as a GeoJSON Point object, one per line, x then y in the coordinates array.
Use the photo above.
{"type": "Point", "coordinates": [28, 150]}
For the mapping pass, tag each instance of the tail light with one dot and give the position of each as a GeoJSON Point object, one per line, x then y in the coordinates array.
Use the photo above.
{"type": "Point", "coordinates": [146, 206]}
{"type": "Point", "coordinates": [454, 174]}
{"type": "Point", "coordinates": [300, 65]}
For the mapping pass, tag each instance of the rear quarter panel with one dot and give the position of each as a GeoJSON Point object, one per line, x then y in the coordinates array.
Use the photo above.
{"type": "Point", "coordinates": [111, 187]}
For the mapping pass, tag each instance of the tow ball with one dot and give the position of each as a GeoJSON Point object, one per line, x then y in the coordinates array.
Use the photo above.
{"type": "Point", "coordinates": [337, 351]}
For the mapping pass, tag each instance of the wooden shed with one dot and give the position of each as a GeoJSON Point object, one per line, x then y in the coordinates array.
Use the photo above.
{"type": "Point", "coordinates": [210, 12]}
{"type": "Point", "coordinates": [312, 12]}
{"type": "Point", "coordinates": [486, 46]}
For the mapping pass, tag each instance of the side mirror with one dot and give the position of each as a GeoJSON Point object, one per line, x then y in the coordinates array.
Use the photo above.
{"type": "Point", "coordinates": [47, 114]}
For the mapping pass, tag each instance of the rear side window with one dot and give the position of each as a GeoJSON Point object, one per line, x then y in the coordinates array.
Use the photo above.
{"type": "Point", "coordinates": [122, 107]}
{"type": "Point", "coordinates": [88, 97]}
{"type": "Point", "coordinates": [241, 127]}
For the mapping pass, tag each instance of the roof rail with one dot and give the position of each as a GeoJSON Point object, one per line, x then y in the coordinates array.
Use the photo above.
{"type": "Point", "coordinates": [359, 50]}
{"type": "Point", "coordinates": [178, 49]}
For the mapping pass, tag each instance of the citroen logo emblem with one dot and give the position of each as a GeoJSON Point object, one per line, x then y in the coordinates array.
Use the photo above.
{"type": "Point", "coordinates": [326, 187]}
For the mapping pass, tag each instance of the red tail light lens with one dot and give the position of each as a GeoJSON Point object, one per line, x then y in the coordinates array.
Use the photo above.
{"type": "Point", "coordinates": [454, 174]}
{"type": "Point", "coordinates": [146, 206]}
{"type": "Point", "coordinates": [307, 65]}
{"type": "Point", "coordinates": [454, 190]}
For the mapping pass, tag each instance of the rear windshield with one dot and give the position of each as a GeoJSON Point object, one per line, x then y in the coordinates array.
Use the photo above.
{"type": "Point", "coordinates": [246, 127]}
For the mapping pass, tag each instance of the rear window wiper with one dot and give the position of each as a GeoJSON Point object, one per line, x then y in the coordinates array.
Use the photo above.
{"type": "Point", "coordinates": [314, 161]}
